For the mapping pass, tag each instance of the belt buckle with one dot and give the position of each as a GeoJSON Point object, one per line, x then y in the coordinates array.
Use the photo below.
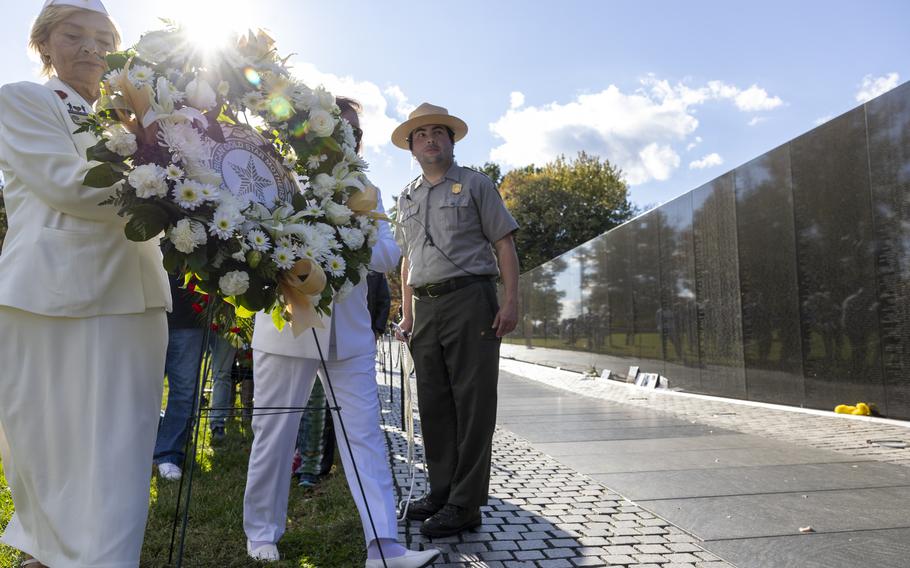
{"type": "Point", "coordinates": [429, 289]}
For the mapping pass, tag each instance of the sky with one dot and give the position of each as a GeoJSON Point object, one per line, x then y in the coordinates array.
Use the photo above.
{"type": "Point", "coordinates": [674, 93]}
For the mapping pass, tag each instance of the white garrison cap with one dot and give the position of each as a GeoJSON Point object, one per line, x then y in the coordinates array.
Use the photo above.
{"type": "Point", "coordinates": [93, 5]}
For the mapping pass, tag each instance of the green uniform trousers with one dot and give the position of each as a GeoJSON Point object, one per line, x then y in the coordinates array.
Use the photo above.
{"type": "Point", "coordinates": [456, 356]}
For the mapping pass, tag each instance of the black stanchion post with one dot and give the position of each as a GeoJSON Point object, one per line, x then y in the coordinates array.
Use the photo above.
{"type": "Point", "coordinates": [192, 443]}
{"type": "Point", "coordinates": [401, 386]}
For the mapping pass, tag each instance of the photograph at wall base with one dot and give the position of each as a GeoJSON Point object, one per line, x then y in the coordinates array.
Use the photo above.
{"type": "Point", "coordinates": [785, 280]}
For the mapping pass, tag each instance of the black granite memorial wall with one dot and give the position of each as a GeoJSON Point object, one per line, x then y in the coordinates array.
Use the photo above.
{"type": "Point", "coordinates": [785, 280]}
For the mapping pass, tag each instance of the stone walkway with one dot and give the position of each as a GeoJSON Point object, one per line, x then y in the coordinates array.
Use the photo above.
{"type": "Point", "coordinates": [543, 514]}
{"type": "Point", "coordinates": [823, 430]}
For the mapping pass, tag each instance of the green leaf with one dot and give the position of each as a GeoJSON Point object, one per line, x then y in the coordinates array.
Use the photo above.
{"type": "Point", "coordinates": [277, 318]}
{"type": "Point", "coordinates": [116, 60]}
{"type": "Point", "coordinates": [147, 221]}
{"type": "Point", "coordinates": [298, 200]}
{"type": "Point", "coordinates": [197, 259]}
{"type": "Point", "coordinates": [102, 175]}
{"type": "Point", "coordinates": [173, 260]}
{"type": "Point", "coordinates": [100, 153]}
{"type": "Point", "coordinates": [243, 312]}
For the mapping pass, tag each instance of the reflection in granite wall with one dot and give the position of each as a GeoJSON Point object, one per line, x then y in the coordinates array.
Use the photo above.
{"type": "Point", "coordinates": [678, 312]}
{"type": "Point", "coordinates": [768, 284]}
{"type": "Point", "coordinates": [888, 119]}
{"type": "Point", "coordinates": [786, 280]}
{"type": "Point", "coordinates": [646, 276]}
{"type": "Point", "coordinates": [720, 338]}
{"type": "Point", "coordinates": [836, 268]}
{"type": "Point", "coordinates": [621, 287]}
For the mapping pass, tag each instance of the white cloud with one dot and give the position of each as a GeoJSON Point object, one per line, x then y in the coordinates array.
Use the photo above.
{"type": "Point", "coordinates": [695, 142]}
{"type": "Point", "coordinates": [754, 99]}
{"type": "Point", "coordinates": [757, 120]}
{"type": "Point", "coordinates": [402, 107]}
{"type": "Point", "coordinates": [709, 161]}
{"type": "Point", "coordinates": [375, 120]}
{"type": "Point", "coordinates": [872, 87]}
{"type": "Point", "coordinates": [822, 119]}
{"type": "Point", "coordinates": [516, 99]}
{"type": "Point", "coordinates": [637, 131]}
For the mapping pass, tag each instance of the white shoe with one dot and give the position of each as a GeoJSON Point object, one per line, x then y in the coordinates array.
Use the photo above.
{"type": "Point", "coordinates": [410, 559]}
{"type": "Point", "coordinates": [169, 471]}
{"type": "Point", "coordinates": [265, 553]}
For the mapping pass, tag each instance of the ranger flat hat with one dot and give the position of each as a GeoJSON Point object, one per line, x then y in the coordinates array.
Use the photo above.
{"type": "Point", "coordinates": [424, 115]}
{"type": "Point", "coordinates": [92, 5]}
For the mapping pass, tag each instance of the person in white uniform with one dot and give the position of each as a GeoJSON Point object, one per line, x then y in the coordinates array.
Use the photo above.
{"type": "Point", "coordinates": [284, 368]}
{"type": "Point", "coordinates": [82, 318]}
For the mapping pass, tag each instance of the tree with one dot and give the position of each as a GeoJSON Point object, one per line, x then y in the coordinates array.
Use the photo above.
{"type": "Point", "coordinates": [564, 204]}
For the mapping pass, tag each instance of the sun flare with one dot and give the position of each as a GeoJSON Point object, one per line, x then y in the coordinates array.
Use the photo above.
{"type": "Point", "coordinates": [210, 23]}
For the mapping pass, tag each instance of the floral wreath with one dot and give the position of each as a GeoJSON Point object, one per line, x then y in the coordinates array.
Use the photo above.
{"type": "Point", "coordinates": [165, 106]}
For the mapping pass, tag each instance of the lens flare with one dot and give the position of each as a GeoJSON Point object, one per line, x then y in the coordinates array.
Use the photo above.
{"type": "Point", "coordinates": [280, 107]}
{"type": "Point", "coordinates": [252, 76]}
{"type": "Point", "coordinates": [300, 129]}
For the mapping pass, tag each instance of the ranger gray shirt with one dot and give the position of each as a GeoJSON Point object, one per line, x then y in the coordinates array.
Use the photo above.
{"type": "Point", "coordinates": [448, 229]}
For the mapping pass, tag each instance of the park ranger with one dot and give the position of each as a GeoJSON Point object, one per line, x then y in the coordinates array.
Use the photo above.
{"type": "Point", "coordinates": [456, 237]}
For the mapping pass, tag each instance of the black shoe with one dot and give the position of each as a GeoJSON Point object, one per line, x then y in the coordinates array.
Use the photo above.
{"type": "Point", "coordinates": [218, 434]}
{"type": "Point", "coordinates": [451, 520]}
{"type": "Point", "coordinates": [422, 509]}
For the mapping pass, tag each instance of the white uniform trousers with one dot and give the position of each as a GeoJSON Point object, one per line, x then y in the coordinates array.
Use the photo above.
{"type": "Point", "coordinates": [79, 404]}
{"type": "Point", "coordinates": [281, 381]}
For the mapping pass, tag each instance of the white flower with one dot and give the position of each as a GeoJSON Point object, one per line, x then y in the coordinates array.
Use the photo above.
{"type": "Point", "coordinates": [202, 174]}
{"type": "Point", "coordinates": [200, 94]}
{"type": "Point", "coordinates": [336, 213]}
{"type": "Point", "coordinates": [312, 210]}
{"type": "Point", "coordinates": [234, 283]}
{"type": "Point", "coordinates": [240, 255]}
{"type": "Point", "coordinates": [336, 265]}
{"type": "Point", "coordinates": [148, 181]}
{"type": "Point", "coordinates": [187, 235]}
{"type": "Point", "coordinates": [258, 240]}
{"type": "Point", "coordinates": [344, 291]}
{"type": "Point", "coordinates": [156, 47]}
{"type": "Point", "coordinates": [351, 237]}
{"type": "Point", "coordinates": [141, 75]}
{"type": "Point", "coordinates": [120, 141]}
{"type": "Point", "coordinates": [209, 192]}
{"type": "Point", "coordinates": [324, 99]}
{"type": "Point", "coordinates": [324, 185]}
{"type": "Point", "coordinates": [283, 257]}
{"type": "Point", "coordinates": [290, 159]}
{"type": "Point", "coordinates": [313, 161]}
{"type": "Point", "coordinates": [174, 173]}
{"type": "Point", "coordinates": [183, 141]}
{"type": "Point", "coordinates": [188, 194]}
{"type": "Point", "coordinates": [115, 79]}
{"type": "Point", "coordinates": [322, 123]}
{"type": "Point", "coordinates": [224, 221]}
{"type": "Point", "coordinates": [165, 99]}
{"type": "Point", "coordinates": [372, 234]}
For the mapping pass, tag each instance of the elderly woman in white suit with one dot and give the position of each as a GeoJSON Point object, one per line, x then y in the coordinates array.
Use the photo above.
{"type": "Point", "coordinates": [82, 318]}
{"type": "Point", "coordinates": [285, 367]}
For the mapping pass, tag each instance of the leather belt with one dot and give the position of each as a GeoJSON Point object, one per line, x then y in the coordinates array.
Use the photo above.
{"type": "Point", "coordinates": [443, 288]}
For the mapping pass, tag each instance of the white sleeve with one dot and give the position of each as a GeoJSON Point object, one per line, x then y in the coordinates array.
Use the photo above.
{"type": "Point", "coordinates": [386, 251]}
{"type": "Point", "coordinates": [39, 150]}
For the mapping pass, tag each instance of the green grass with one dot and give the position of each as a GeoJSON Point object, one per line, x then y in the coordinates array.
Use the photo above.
{"type": "Point", "coordinates": [323, 528]}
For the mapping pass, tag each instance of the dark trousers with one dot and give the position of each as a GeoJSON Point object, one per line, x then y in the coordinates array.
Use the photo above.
{"type": "Point", "coordinates": [456, 356]}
